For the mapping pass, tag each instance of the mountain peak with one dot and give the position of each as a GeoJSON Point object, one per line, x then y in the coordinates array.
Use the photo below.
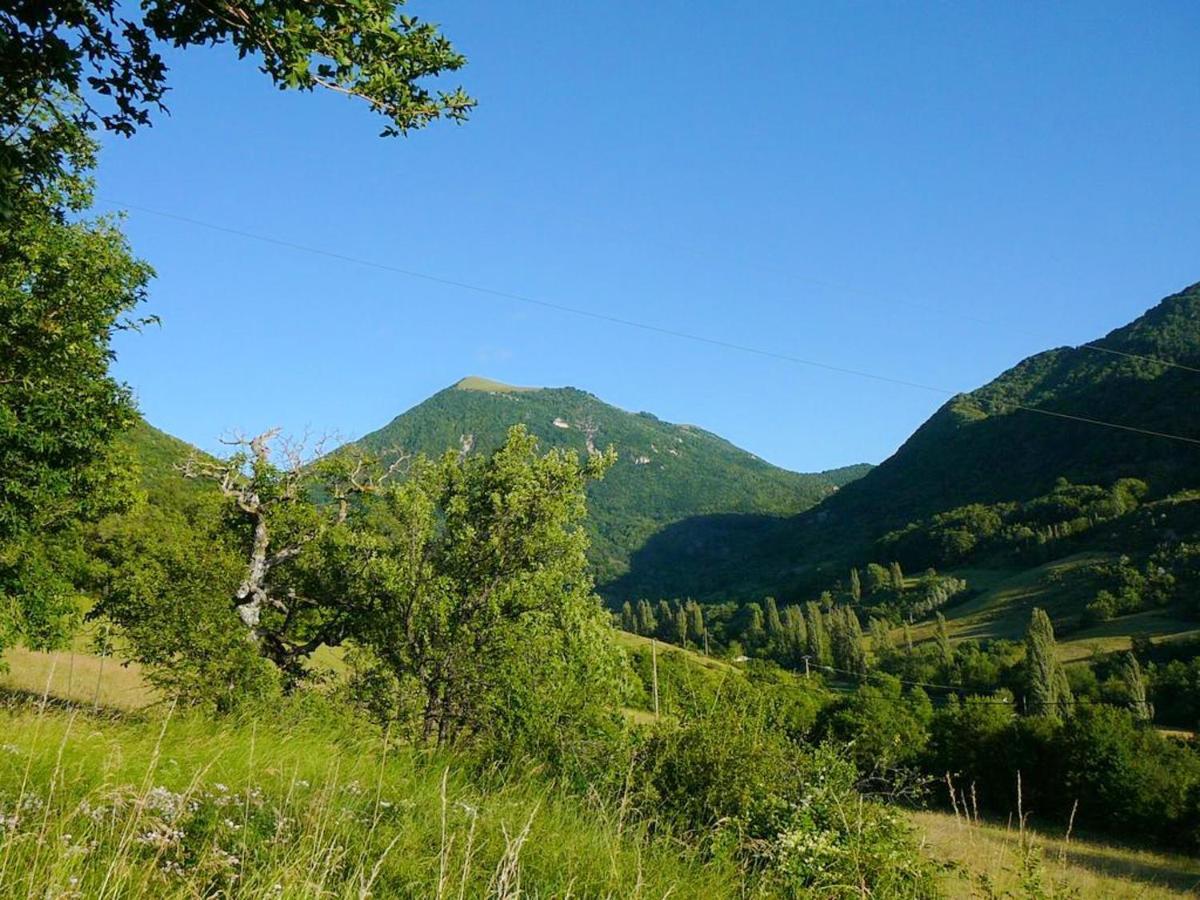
{"type": "Point", "coordinates": [487, 385]}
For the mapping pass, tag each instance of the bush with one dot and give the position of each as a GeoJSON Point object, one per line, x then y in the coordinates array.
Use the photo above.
{"type": "Point", "coordinates": [791, 815]}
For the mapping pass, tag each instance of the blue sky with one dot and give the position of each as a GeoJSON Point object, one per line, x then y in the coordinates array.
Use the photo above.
{"type": "Point", "coordinates": [928, 192]}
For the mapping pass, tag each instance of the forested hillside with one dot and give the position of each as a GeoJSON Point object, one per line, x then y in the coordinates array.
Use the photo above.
{"type": "Point", "coordinates": [664, 472]}
{"type": "Point", "coordinates": [980, 447]}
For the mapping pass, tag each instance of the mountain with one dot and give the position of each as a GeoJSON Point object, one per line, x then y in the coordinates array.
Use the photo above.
{"type": "Point", "coordinates": [1010, 440]}
{"type": "Point", "coordinates": [665, 473]}
{"type": "Point", "coordinates": [157, 456]}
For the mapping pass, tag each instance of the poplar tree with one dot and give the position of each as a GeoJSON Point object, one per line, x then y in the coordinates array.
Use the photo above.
{"type": "Point", "coordinates": [1049, 692]}
{"type": "Point", "coordinates": [942, 637]}
{"type": "Point", "coordinates": [1135, 687]}
{"type": "Point", "coordinates": [647, 624]}
{"type": "Point", "coordinates": [818, 634]}
{"type": "Point", "coordinates": [795, 632]}
{"type": "Point", "coordinates": [855, 652]}
{"type": "Point", "coordinates": [696, 627]}
{"type": "Point", "coordinates": [628, 619]}
{"type": "Point", "coordinates": [666, 621]}
{"type": "Point", "coordinates": [755, 632]}
{"type": "Point", "coordinates": [774, 624]}
{"type": "Point", "coordinates": [897, 576]}
{"type": "Point", "coordinates": [681, 626]}
{"type": "Point", "coordinates": [881, 638]}
{"type": "Point", "coordinates": [855, 585]}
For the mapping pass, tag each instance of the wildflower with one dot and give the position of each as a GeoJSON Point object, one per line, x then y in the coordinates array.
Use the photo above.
{"type": "Point", "coordinates": [164, 803]}
{"type": "Point", "coordinates": [160, 837]}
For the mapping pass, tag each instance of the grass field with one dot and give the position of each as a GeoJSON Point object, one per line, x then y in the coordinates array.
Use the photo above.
{"type": "Point", "coordinates": [1006, 599]}
{"type": "Point", "coordinates": [301, 803]}
{"type": "Point", "coordinates": [985, 857]}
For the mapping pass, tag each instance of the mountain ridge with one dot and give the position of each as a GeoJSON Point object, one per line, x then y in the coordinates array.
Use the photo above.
{"type": "Point", "coordinates": [665, 471]}
{"type": "Point", "coordinates": [976, 448]}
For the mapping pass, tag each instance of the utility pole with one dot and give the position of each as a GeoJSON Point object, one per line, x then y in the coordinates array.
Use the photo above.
{"type": "Point", "coordinates": [654, 668]}
{"type": "Point", "coordinates": [806, 666]}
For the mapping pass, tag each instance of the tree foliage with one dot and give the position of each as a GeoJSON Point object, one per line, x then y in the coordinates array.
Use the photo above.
{"type": "Point", "coordinates": [53, 54]}
{"type": "Point", "coordinates": [66, 284]}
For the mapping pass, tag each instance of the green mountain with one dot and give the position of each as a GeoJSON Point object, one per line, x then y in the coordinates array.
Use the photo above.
{"type": "Point", "coordinates": [665, 473]}
{"type": "Point", "coordinates": [987, 447]}
{"type": "Point", "coordinates": [158, 456]}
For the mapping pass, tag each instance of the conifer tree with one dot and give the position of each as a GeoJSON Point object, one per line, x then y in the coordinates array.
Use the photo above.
{"type": "Point", "coordinates": [1135, 686]}
{"type": "Point", "coordinates": [1049, 692]}
{"type": "Point", "coordinates": [855, 586]}
{"type": "Point", "coordinates": [628, 619]}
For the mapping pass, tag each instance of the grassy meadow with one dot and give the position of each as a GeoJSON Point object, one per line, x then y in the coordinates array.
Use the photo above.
{"type": "Point", "coordinates": [173, 805]}
{"type": "Point", "coordinates": [106, 793]}
{"type": "Point", "coordinates": [984, 859]}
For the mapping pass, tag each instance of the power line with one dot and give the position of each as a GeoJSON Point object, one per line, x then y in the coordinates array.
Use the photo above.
{"type": "Point", "coordinates": [645, 326]}
{"type": "Point", "coordinates": [944, 312]}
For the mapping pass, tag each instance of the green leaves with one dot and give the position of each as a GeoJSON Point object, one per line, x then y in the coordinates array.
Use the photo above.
{"type": "Point", "coordinates": [65, 286]}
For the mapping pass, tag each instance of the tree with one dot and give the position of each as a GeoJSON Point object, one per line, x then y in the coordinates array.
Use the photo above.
{"type": "Point", "coordinates": [846, 637]}
{"type": "Point", "coordinates": [285, 599]}
{"type": "Point", "coordinates": [467, 583]}
{"type": "Point", "coordinates": [1049, 692]}
{"type": "Point", "coordinates": [881, 639]}
{"type": "Point", "coordinates": [774, 624]}
{"type": "Point", "coordinates": [666, 622]}
{"type": "Point", "coordinates": [696, 626]}
{"type": "Point", "coordinates": [878, 578]}
{"type": "Point", "coordinates": [166, 584]}
{"type": "Point", "coordinates": [855, 586]}
{"type": "Point", "coordinates": [66, 284]}
{"type": "Point", "coordinates": [753, 632]}
{"type": "Point", "coordinates": [945, 649]}
{"type": "Point", "coordinates": [1135, 687]}
{"type": "Point", "coordinates": [818, 635]}
{"type": "Point", "coordinates": [647, 624]}
{"type": "Point", "coordinates": [628, 620]}
{"type": "Point", "coordinates": [681, 626]}
{"type": "Point", "coordinates": [54, 51]}
{"type": "Point", "coordinates": [897, 576]}
{"type": "Point", "coordinates": [795, 634]}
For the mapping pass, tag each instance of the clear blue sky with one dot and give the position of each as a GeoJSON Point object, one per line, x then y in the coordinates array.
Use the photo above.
{"type": "Point", "coordinates": [930, 192]}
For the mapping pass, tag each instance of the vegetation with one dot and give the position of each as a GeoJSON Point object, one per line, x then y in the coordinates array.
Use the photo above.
{"type": "Point", "coordinates": [386, 670]}
{"type": "Point", "coordinates": [664, 473]}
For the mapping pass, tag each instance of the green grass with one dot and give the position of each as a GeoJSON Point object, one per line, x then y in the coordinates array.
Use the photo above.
{"type": "Point", "coordinates": [477, 383]}
{"type": "Point", "coordinates": [636, 641]}
{"type": "Point", "coordinates": [1007, 598]}
{"type": "Point", "coordinates": [982, 853]}
{"type": "Point", "coordinates": [298, 806]}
